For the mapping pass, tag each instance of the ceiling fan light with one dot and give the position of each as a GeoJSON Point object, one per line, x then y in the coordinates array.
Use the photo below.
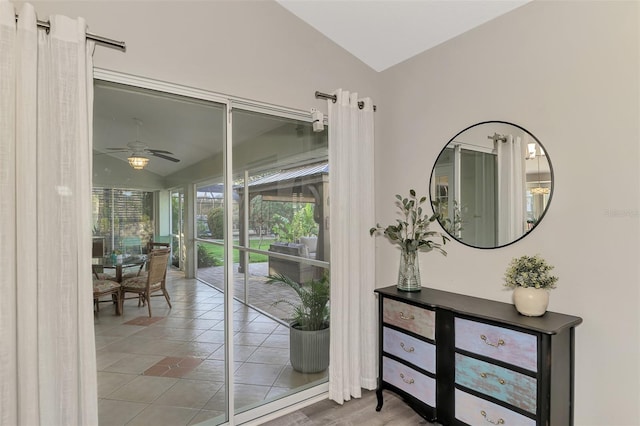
{"type": "Point", "coordinates": [138, 162]}
{"type": "Point", "coordinates": [540, 190]}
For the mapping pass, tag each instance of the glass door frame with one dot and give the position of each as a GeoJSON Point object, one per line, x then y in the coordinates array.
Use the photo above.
{"type": "Point", "coordinates": [288, 403]}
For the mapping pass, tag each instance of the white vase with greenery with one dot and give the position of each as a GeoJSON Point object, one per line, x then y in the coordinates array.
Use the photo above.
{"type": "Point", "coordinates": [531, 280]}
{"type": "Point", "coordinates": [412, 234]}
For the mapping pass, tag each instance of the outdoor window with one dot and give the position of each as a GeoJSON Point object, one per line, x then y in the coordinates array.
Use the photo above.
{"type": "Point", "coordinates": [124, 218]}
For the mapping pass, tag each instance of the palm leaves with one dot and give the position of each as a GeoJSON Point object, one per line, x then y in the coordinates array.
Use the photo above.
{"type": "Point", "coordinates": [312, 313]}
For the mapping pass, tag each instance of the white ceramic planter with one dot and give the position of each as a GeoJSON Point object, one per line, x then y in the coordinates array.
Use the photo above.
{"type": "Point", "coordinates": [530, 301]}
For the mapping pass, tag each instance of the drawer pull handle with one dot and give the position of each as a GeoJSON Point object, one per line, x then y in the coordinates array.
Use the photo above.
{"type": "Point", "coordinates": [485, 375]}
{"type": "Point", "coordinates": [495, 345]}
{"type": "Point", "coordinates": [411, 349]}
{"type": "Point", "coordinates": [495, 422]}
{"type": "Point", "coordinates": [407, 381]}
{"type": "Point", "coordinates": [408, 318]}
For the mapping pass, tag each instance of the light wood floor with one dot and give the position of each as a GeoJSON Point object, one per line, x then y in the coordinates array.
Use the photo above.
{"type": "Point", "coordinates": [361, 411]}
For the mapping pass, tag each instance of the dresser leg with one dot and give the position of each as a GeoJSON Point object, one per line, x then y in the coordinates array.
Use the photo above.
{"type": "Point", "coordinates": [379, 396]}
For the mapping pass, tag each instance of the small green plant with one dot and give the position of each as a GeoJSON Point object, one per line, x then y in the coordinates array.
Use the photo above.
{"type": "Point", "coordinates": [312, 311]}
{"type": "Point", "coordinates": [413, 232]}
{"type": "Point", "coordinates": [529, 271]}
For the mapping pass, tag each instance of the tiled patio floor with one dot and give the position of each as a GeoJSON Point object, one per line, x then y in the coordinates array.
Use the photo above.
{"type": "Point", "coordinates": [136, 356]}
{"type": "Point", "coordinates": [258, 293]}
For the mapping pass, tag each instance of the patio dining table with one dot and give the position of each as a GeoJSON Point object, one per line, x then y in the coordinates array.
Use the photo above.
{"type": "Point", "coordinates": [106, 263]}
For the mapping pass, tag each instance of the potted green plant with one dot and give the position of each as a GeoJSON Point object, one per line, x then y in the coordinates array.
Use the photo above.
{"type": "Point", "coordinates": [530, 278]}
{"type": "Point", "coordinates": [412, 234]}
{"type": "Point", "coordinates": [309, 326]}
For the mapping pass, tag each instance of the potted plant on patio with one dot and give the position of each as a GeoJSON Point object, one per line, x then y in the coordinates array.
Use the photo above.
{"type": "Point", "coordinates": [309, 326]}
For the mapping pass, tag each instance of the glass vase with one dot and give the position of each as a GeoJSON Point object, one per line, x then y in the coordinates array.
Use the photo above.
{"type": "Point", "coordinates": [409, 271]}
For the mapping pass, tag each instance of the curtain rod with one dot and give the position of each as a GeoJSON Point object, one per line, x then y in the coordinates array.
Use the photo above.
{"type": "Point", "coordinates": [98, 39]}
{"type": "Point", "coordinates": [334, 98]}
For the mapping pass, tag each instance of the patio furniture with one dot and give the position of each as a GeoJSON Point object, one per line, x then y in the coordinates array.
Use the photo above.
{"type": "Point", "coordinates": [99, 265]}
{"type": "Point", "coordinates": [97, 255]}
{"type": "Point", "coordinates": [298, 272]}
{"type": "Point", "coordinates": [97, 247]}
{"type": "Point", "coordinates": [154, 281]}
{"type": "Point", "coordinates": [151, 246]}
{"type": "Point", "coordinates": [105, 288]}
{"type": "Point", "coordinates": [154, 245]}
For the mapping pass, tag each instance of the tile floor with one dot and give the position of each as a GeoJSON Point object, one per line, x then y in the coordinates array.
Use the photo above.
{"type": "Point", "coordinates": [169, 370]}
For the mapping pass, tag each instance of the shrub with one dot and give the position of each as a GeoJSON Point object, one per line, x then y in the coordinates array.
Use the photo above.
{"type": "Point", "coordinates": [301, 225]}
{"type": "Point", "coordinates": [215, 220]}
{"type": "Point", "coordinates": [206, 259]}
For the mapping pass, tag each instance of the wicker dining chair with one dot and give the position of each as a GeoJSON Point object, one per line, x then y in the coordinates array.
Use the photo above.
{"type": "Point", "coordinates": [154, 281]}
{"type": "Point", "coordinates": [156, 245]}
{"type": "Point", "coordinates": [105, 288]}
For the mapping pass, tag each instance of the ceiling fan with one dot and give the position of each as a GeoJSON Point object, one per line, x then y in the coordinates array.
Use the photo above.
{"type": "Point", "coordinates": [139, 151]}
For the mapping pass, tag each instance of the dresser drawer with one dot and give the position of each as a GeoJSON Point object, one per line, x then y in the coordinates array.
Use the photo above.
{"type": "Point", "coordinates": [499, 343]}
{"type": "Point", "coordinates": [420, 353]}
{"type": "Point", "coordinates": [506, 385]}
{"type": "Point", "coordinates": [409, 380]}
{"type": "Point", "coordinates": [477, 411]}
{"type": "Point", "coordinates": [412, 318]}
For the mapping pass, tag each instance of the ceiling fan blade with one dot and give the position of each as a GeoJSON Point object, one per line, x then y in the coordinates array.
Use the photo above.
{"type": "Point", "coordinates": [160, 151]}
{"type": "Point", "coordinates": [166, 157]}
{"type": "Point", "coordinates": [118, 149]}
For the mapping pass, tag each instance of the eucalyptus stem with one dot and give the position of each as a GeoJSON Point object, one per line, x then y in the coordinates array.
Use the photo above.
{"type": "Point", "coordinates": [412, 233]}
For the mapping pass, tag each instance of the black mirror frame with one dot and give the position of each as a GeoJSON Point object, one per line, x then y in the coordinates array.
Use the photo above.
{"type": "Point", "coordinates": [552, 175]}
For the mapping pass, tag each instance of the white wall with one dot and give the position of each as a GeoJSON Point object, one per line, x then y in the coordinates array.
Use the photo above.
{"type": "Point", "coordinates": [251, 49]}
{"type": "Point", "coordinates": [568, 72]}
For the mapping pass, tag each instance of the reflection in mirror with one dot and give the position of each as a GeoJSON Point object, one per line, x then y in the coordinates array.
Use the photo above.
{"type": "Point", "coordinates": [492, 184]}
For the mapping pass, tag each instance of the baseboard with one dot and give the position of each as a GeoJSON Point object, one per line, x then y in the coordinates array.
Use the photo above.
{"type": "Point", "coordinates": [283, 406]}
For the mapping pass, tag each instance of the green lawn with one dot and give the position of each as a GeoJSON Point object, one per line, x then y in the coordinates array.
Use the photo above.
{"type": "Point", "coordinates": [217, 251]}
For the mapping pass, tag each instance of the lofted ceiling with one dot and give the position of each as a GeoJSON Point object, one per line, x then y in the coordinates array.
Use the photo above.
{"type": "Point", "coordinates": [383, 33]}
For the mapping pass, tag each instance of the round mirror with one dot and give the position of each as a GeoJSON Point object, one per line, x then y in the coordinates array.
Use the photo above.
{"type": "Point", "coordinates": [492, 184]}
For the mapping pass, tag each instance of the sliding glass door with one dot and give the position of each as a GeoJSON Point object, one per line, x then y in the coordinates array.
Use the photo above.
{"type": "Point", "coordinates": [464, 185]}
{"type": "Point", "coordinates": [280, 189]}
{"type": "Point", "coordinates": [241, 194]}
{"type": "Point", "coordinates": [279, 216]}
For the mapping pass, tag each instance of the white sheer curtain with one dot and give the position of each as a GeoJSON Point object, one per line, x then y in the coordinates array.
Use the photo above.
{"type": "Point", "coordinates": [511, 190]}
{"type": "Point", "coordinates": [47, 349]}
{"type": "Point", "coordinates": [353, 356]}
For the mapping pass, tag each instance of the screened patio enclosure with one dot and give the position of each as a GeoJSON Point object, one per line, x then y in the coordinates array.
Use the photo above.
{"type": "Point", "coordinates": [304, 185]}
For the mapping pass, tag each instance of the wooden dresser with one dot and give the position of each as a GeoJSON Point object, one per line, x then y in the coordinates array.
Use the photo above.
{"type": "Point", "coordinates": [463, 360]}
